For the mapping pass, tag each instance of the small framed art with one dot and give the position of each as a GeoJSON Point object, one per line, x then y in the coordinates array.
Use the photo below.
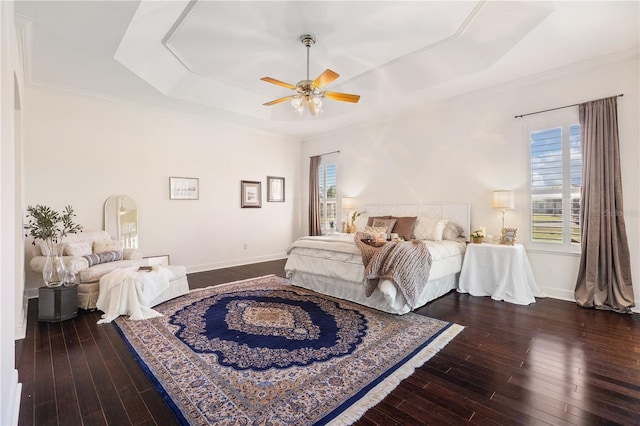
{"type": "Point", "coordinates": [508, 236]}
{"type": "Point", "coordinates": [275, 189]}
{"type": "Point", "coordinates": [182, 188]}
{"type": "Point", "coordinates": [251, 194]}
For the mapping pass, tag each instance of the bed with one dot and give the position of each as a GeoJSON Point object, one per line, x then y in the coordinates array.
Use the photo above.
{"type": "Point", "coordinates": [332, 264]}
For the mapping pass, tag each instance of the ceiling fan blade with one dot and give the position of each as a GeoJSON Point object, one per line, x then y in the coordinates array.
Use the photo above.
{"type": "Point", "coordinates": [325, 78]}
{"type": "Point", "coordinates": [278, 82]}
{"type": "Point", "coordinates": [277, 101]}
{"type": "Point", "coordinates": [344, 97]}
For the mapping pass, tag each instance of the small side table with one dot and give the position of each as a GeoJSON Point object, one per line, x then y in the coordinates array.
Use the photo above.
{"type": "Point", "coordinates": [162, 259]}
{"type": "Point", "coordinates": [500, 271]}
{"type": "Point", "coordinates": [57, 304]}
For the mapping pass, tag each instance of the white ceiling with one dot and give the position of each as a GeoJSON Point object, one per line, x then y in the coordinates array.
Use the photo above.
{"type": "Point", "coordinates": [206, 58]}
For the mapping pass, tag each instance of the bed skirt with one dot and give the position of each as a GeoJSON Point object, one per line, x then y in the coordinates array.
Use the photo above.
{"type": "Point", "coordinates": [354, 292]}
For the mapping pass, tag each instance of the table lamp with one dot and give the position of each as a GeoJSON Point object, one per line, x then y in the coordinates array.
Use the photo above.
{"type": "Point", "coordinates": [503, 199]}
{"type": "Point", "coordinates": [347, 204]}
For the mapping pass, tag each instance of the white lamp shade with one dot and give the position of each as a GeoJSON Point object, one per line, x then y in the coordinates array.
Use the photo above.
{"type": "Point", "coordinates": [503, 200]}
{"type": "Point", "coordinates": [347, 203]}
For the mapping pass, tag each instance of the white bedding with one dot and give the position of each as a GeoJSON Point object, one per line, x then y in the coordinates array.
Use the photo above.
{"type": "Point", "coordinates": [333, 265]}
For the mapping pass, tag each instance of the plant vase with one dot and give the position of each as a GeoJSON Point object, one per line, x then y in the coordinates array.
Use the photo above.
{"type": "Point", "coordinates": [477, 240]}
{"type": "Point", "coordinates": [54, 270]}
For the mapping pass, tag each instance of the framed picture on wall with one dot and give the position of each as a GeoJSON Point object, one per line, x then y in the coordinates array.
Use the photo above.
{"type": "Point", "coordinates": [182, 188]}
{"type": "Point", "coordinates": [275, 189]}
{"type": "Point", "coordinates": [251, 194]}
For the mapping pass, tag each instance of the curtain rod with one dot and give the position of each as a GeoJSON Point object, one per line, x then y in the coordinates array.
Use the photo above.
{"type": "Point", "coordinates": [566, 106]}
{"type": "Point", "coordinates": [326, 153]}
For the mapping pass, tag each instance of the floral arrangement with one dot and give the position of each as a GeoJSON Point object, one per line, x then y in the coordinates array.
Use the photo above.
{"type": "Point", "coordinates": [478, 233]}
{"type": "Point", "coordinates": [50, 226]}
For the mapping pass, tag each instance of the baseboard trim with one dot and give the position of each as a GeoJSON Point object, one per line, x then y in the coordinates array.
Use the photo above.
{"type": "Point", "coordinates": [21, 328]}
{"type": "Point", "coordinates": [570, 297]}
{"type": "Point", "coordinates": [555, 293]}
{"type": "Point", "coordinates": [231, 263]}
{"type": "Point", "coordinates": [13, 401]}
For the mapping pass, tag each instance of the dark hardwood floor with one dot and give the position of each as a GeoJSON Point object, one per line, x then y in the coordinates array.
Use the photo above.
{"type": "Point", "coordinates": [548, 363]}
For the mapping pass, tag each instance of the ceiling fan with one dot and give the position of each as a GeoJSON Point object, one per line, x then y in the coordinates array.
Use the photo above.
{"type": "Point", "coordinates": [308, 91]}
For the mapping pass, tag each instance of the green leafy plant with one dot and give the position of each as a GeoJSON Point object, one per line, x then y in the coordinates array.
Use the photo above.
{"type": "Point", "coordinates": [50, 226]}
{"type": "Point", "coordinates": [354, 216]}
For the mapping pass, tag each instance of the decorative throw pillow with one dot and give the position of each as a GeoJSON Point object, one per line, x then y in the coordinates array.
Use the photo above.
{"type": "Point", "coordinates": [372, 218]}
{"type": "Point", "coordinates": [36, 250]}
{"type": "Point", "coordinates": [386, 223]}
{"type": "Point", "coordinates": [106, 245]}
{"type": "Point", "coordinates": [103, 257]}
{"type": "Point", "coordinates": [452, 231]}
{"type": "Point", "coordinates": [80, 248]}
{"type": "Point", "coordinates": [429, 229]}
{"type": "Point", "coordinates": [44, 248]}
{"type": "Point", "coordinates": [375, 233]}
{"type": "Point", "coordinates": [404, 226]}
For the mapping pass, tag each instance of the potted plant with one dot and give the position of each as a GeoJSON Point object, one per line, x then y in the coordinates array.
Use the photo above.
{"type": "Point", "coordinates": [477, 236]}
{"type": "Point", "coordinates": [352, 226]}
{"type": "Point", "coordinates": [50, 226]}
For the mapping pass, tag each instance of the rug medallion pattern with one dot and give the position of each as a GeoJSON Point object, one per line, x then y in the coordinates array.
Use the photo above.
{"type": "Point", "coordinates": [262, 329]}
{"type": "Point", "coordinates": [265, 352]}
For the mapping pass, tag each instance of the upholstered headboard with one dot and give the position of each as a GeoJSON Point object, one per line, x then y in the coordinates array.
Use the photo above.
{"type": "Point", "coordinates": [459, 213]}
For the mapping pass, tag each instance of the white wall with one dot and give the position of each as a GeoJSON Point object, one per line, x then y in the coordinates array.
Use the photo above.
{"type": "Point", "coordinates": [464, 148]}
{"type": "Point", "coordinates": [80, 150]}
{"type": "Point", "coordinates": [11, 278]}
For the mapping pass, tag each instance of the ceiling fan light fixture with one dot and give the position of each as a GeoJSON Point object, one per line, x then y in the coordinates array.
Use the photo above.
{"type": "Point", "coordinates": [297, 102]}
{"type": "Point", "coordinates": [317, 104]}
{"type": "Point", "coordinates": [310, 92]}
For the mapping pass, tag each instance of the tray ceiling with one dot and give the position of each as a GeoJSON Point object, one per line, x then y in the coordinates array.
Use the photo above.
{"type": "Point", "coordinates": [205, 58]}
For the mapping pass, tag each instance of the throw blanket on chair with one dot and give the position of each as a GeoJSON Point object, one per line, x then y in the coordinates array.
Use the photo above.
{"type": "Point", "coordinates": [405, 263]}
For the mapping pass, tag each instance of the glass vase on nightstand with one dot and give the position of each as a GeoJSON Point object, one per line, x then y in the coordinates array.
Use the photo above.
{"type": "Point", "coordinates": [54, 270]}
{"type": "Point", "coordinates": [69, 278]}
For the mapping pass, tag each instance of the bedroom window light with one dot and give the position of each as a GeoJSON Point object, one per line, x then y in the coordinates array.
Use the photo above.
{"type": "Point", "coordinates": [327, 178]}
{"type": "Point", "coordinates": [556, 181]}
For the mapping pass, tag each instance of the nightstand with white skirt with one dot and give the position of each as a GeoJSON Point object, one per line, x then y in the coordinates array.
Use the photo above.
{"type": "Point", "coordinates": [500, 271]}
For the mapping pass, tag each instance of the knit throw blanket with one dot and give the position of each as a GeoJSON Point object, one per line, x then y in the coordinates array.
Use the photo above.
{"type": "Point", "coordinates": [405, 263]}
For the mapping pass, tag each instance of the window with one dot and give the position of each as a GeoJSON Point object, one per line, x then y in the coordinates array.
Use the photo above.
{"type": "Point", "coordinates": [556, 180]}
{"type": "Point", "coordinates": [327, 178]}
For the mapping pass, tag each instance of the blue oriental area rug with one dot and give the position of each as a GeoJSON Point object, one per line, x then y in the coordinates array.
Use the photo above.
{"type": "Point", "coordinates": [262, 351]}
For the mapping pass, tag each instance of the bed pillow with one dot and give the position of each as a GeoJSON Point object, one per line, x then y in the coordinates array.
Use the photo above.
{"type": "Point", "coordinates": [429, 229]}
{"type": "Point", "coordinates": [452, 231]}
{"type": "Point", "coordinates": [386, 223]}
{"type": "Point", "coordinates": [372, 218]}
{"type": "Point", "coordinates": [103, 246]}
{"type": "Point", "coordinates": [404, 226]}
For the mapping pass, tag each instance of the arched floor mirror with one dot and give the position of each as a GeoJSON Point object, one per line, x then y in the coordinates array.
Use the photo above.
{"type": "Point", "coordinates": [121, 219]}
